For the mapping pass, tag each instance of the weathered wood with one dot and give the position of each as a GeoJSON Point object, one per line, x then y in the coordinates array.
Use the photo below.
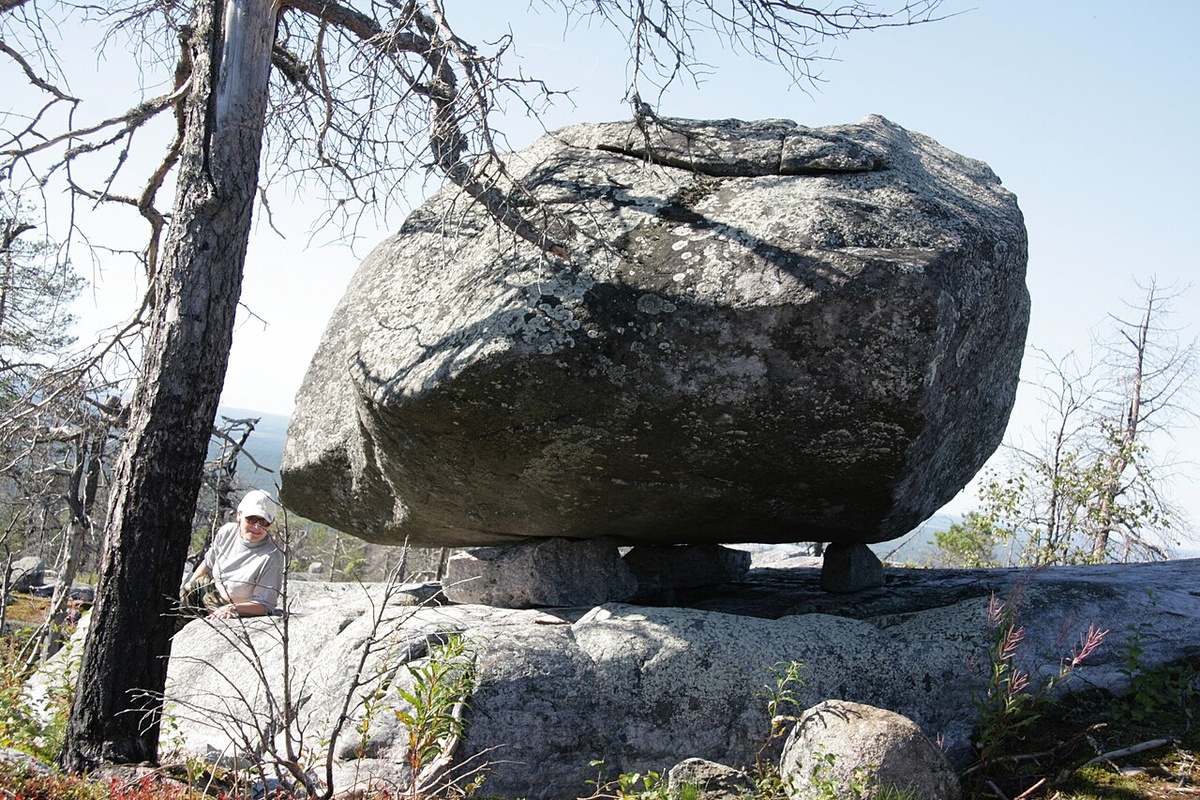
{"type": "Point", "coordinates": [115, 717]}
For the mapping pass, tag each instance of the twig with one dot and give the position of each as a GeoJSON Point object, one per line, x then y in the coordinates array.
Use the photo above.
{"type": "Point", "coordinates": [1132, 750]}
{"type": "Point", "coordinates": [1023, 757]}
{"type": "Point", "coordinates": [1030, 790]}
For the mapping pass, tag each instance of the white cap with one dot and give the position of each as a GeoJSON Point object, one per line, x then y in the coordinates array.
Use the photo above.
{"type": "Point", "coordinates": [257, 504]}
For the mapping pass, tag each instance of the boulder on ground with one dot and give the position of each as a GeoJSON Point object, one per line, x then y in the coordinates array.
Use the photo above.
{"type": "Point", "coordinates": [842, 749]}
{"type": "Point", "coordinates": [763, 333]}
{"type": "Point", "coordinates": [26, 573]}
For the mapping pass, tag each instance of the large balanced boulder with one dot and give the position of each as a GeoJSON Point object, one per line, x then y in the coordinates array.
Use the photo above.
{"type": "Point", "coordinates": [762, 333]}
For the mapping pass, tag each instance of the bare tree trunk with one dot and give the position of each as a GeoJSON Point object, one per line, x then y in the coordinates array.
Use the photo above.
{"type": "Point", "coordinates": [1125, 438]}
{"type": "Point", "coordinates": [5, 576]}
{"type": "Point", "coordinates": [56, 616]}
{"type": "Point", "coordinates": [118, 700]}
{"type": "Point", "coordinates": [81, 498]}
{"type": "Point", "coordinates": [1055, 550]}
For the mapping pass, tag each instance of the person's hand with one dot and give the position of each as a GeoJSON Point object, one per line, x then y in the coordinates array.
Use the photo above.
{"type": "Point", "coordinates": [228, 611]}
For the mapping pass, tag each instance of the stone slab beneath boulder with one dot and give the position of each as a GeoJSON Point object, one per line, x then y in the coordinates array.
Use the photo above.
{"type": "Point", "coordinates": [849, 568]}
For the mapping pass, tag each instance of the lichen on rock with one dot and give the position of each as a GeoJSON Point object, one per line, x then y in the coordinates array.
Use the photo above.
{"type": "Point", "coordinates": [764, 333]}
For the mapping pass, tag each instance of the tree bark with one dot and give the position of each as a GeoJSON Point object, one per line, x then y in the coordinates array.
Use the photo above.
{"type": "Point", "coordinates": [118, 700]}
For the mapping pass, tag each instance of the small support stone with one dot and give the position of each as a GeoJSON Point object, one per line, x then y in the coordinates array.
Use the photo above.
{"type": "Point", "coordinates": [850, 568]}
{"type": "Point", "coordinates": [539, 573]}
{"type": "Point", "coordinates": [685, 566]}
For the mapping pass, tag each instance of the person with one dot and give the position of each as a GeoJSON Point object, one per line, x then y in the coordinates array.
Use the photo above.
{"type": "Point", "coordinates": [242, 571]}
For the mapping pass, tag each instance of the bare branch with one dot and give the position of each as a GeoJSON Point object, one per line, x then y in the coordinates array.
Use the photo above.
{"type": "Point", "coordinates": [449, 74]}
{"type": "Point", "coordinates": [129, 121]}
{"type": "Point", "coordinates": [662, 35]}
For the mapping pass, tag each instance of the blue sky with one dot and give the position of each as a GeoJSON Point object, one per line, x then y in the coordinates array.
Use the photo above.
{"type": "Point", "coordinates": [1087, 111]}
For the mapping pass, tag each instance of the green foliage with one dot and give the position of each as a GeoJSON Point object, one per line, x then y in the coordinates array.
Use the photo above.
{"type": "Point", "coordinates": [345, 557]}
{"type": "Point", "coordinates": [353, 567]}
{"type": "Point", "coordinates": [1037, 514]}
{"type": "Point", "coordinates": [1157, 698]}
{"type": "Point", "coordinates": [648, 785]}
{"type": "Point", "coordinates": [1090, 490]}
{"type": "Point", "coordinates": [21, 726]}
{"type": "Point", "coordinates": [439, 685]}
{"type": "Point", "coordinates": [768, 782]}
{"type": "Point", "coordinates": [1011, 702]}
{"type": "Point", "coordinates": [36, 288]}
{"type": "Point", "coordinates": [971, 543]}
{"type": "Point", "coordinates": [1161, 696]}
{"type": "Point", "coordinates": [1005, 706]}
{"type": "Point", "coordinates": [783, 696]}
{"type": "Point", "coordinates": [371, 704]}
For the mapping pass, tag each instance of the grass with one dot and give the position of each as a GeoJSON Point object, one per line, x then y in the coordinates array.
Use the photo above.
{"type": "Point", "coordinates": [27, 610]}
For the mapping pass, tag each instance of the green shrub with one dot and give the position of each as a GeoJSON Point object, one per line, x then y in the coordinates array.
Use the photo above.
{"type": "Point", "coordinates": [443, 682]}
{"type": "Point", "coordinates": [21, 727]}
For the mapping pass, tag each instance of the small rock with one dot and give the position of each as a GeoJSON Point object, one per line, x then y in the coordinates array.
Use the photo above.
{"type": "Point", "coordinates": [850, 568]}
{"type": "Point", "coordinates": [715, 781]}
{"type": "Point", "coordinates": [837, 745]}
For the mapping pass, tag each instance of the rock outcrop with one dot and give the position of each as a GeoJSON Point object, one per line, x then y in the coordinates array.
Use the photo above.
{"type": "Point", "coordinates": [763, 333]}
{"type": "Point", "coordinates": [643, 687]}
